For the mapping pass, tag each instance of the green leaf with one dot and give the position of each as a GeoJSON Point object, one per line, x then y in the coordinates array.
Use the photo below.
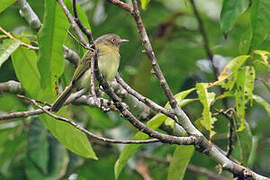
{"type": "Point", "coordinates": [263, 103]}
{"type": "Point", "coordinates": [69, 136]}
{"type": "Point", "coordinates": [7, 48]}
{"type": "Point", "coordinates": [260, 22]}
{"type": "Point", "coordinates": [51, 38]}
{"type": "Point", "coordinates": [179, 163]}
{"type": "Point", "coordinates": [144, 4]}
{"type": "Point", "coordinates": [206, 99]}
{"type": "Point", "coordinates": [25, 64]}
{"type": "Point", "coordinates": [6, 4]}
{"type": "Point", "coordinates": [227, 77]}
{"type": "Point", "coordinates": [130, 149]}
{"type": "Point", "coordinates": [245, 144]}
{"type": "Point", "coordinates": [231, 10]}
{"type": "Point", "coordinates": [244, 92]}
{"type": "Point", "coordinates": [264, 55]}
{"type": "Point", "coordinates": [180, 97]}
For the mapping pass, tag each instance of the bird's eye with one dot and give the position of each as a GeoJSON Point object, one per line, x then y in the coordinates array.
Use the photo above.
{"type": "Point", "coordinates": [113, 40]}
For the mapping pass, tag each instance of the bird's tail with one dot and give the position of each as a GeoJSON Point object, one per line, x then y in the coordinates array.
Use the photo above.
{"type": "Point", "coordinates": [62, 98]}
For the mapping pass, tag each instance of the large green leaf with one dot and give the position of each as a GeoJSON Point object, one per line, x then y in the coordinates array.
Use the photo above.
{"type": "Point", "coordinates": [69, 136]}
{"type": "Point", "coordinates": [7, 48]}
{"type": "Point", "coordinates": [25, 65]}
{"type": "Point", "coordinates": [51, 38]}
{"type": "Point", "coordinates": [260, 22]}
{"type": "Point", "coordinates": [231, 10]}
{"type": "Point", "coordinates": [179, 162]}
{"type": "Point", "coordinates": [243, 94]}
{"type": "Point", "coordinates": [206, 99]}
{"type": "Point", "coordinates": [6, 4]}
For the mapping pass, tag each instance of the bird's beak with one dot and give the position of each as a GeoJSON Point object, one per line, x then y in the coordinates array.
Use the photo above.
{"type": "Point", "coordinates": [123, 41]}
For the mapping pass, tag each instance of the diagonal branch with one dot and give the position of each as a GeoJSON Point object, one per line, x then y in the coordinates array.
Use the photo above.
{"type": "Point", "coordinates": [73, 23]}
{"type": "Point", "coordinates": [181, 116]}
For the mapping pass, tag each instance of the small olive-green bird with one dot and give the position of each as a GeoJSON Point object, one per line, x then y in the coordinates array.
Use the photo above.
{"type": "Point", "coordinates": [108, 62]}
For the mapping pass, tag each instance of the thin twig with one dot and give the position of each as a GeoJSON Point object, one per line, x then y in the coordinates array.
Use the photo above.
{"type": "Point", "coordinates": [29, 46]}
{"type": "Point", "coordinates": [74, 98]}
{"type": "Point", "coordinates": [229, 115]}
{"type": "Point", "coordinates": [73, 23]}
{"type": "Point", "coordinates": [84, 30]}
{"type": "Point", "coordinates": [205, 39]}
{"type": "Point", "coordinates": [90, 134]}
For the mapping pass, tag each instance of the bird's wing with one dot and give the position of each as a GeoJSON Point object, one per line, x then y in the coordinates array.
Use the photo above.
{"type": "Point", "coordinates": [83, 66]}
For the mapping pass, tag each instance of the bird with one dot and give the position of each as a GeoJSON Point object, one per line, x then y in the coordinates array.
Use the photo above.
{"type": "Point", "coordinates": [108, 58]}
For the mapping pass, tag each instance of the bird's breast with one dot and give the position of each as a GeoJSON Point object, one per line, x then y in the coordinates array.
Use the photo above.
{"type": "Point", "coordinates": [108, 61]}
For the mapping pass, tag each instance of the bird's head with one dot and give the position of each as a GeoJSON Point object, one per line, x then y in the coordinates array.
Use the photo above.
{"type": "Point", "coordinates": [110, 40]}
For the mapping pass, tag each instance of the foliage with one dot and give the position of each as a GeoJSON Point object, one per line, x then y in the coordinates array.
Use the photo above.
{"type": "Point", "coordinates": [238, 33]}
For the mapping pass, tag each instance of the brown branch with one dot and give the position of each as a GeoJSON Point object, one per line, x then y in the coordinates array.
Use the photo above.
{"type": "Point", "coordinates": [229, 115]}
{"type": "Point", "coordinates": [22, 114]}
{"type": "Point", "coordinates": [84, 29]}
